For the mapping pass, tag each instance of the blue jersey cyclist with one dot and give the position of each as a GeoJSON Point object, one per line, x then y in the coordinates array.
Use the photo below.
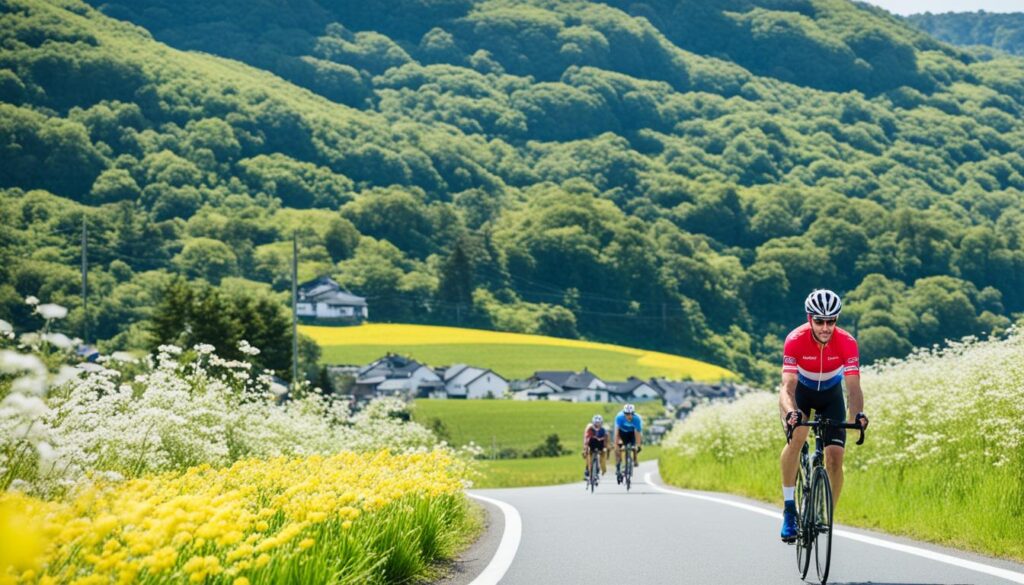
{"type": "Point", "coordinates": [629, 427]}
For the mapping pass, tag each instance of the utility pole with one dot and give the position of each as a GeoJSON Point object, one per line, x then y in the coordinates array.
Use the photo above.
{"type": "Point", "coordinates": [295, 314]}
{"type": "Point", "coordinates": [85, 282]}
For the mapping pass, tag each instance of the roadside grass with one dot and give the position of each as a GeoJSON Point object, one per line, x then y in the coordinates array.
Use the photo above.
{"type": "Point", "coordinates": [966, 506]}
{"type": "Point", "coordinates": [516, 424]}
{"type": "Point", "coordinates": [943, 460]}
{"type": "Point", "coordinates": [513, 355]}
{"type": "Point", "coordinates": [507, 473]}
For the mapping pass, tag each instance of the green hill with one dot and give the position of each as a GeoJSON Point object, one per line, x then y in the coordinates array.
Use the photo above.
{"type": "Point", "coordinates": [673, 175]}
{"type": "Point", "coordinates": [1003, 31]}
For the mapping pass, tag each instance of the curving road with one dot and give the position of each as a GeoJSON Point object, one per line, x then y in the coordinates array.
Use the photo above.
{"type": "Point", "coordinates": [656, 534]}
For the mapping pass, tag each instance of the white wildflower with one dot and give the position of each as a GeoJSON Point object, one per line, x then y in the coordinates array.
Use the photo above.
{"type": "Point", "coordinates": [5, 327]}
{"type": "Point", "coordinates": [30, 407]}
{"type": "Point", "coordinates": [51, 311]}
{"type": "Point", "coordinates": [247, 349]}
{"type": "Point", "coordinates": [34, 385]}
{"type": "Point", "coordinates": [12, 362]}
{"type": "Point", "coordinates": [204, 348]}
{"type": "Point", "coordinates": [124, 357]}
{"type": "Point", "coordinates": [57, 339]}
{"type": "Point", "coordinates": [31, 300]}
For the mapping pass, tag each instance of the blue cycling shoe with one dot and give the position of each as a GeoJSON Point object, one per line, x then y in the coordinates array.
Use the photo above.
{"type": "Point", "coordinates": [788, 533]}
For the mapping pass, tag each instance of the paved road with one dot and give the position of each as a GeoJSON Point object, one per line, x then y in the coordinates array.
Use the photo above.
{"type": "Point", "coordinates": [651, 536]}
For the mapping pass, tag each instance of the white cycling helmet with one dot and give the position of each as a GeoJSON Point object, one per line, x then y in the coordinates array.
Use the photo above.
{"type": "Point", "coordinates": [628, 409]}
{"type": "Point", "coordinates": [598, 419]}
{"type": "Point", "coordinates": [823, 303]}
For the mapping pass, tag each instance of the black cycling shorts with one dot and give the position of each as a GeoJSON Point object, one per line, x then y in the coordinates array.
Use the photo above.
{"type": "Point", "coordinates": [627, 437]}
{"type": "Point", "coordinates": [827, 404]}
{"type": "Point", "coordinates": [595, 444]}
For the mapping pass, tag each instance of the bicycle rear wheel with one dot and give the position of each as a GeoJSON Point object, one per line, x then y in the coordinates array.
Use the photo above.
{"type": "Point", "coordinates": [803, 501]}
{"type": "Point", "coordinates": [822, 503]}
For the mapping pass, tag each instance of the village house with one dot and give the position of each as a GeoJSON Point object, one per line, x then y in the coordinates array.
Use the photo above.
{"type": "Point", "coordinates": [465, 381]}
{"type": "Point", "coordinates": [564, 385]}
{"type": "Point", "coordinates": [395, 375]}
{"type": "Point", "coordinates": [632, 390]}
{"type": "Point", "coordinates": [324, 300]}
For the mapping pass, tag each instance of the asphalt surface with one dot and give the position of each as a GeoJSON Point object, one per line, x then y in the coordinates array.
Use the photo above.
{"type": "Point", "coordinates": [648, 536]}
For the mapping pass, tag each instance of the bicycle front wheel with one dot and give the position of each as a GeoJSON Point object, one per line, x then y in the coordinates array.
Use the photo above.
{"type": "Point", "coordinates": [629, 468]}
{"type": "Point", "coordinates": [822, 500]}
{"type": "Point", "coordinates": [803, 511]}
{"type": "Point", "coordinates": [593, 473]}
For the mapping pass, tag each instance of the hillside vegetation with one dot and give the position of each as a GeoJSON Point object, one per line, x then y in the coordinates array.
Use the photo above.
{"type": "Point", "coordinates": [946, 436]}
{"type": "Point", "coordinates": [1003, 31]}
{"type": "Point", "coordinates": [674, 175]}
{"type": "Point", "coordinates": [513, 355]}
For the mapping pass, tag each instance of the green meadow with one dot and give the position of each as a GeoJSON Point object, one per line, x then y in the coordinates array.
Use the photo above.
{"type": "Point", "coordinates": [521, 425]}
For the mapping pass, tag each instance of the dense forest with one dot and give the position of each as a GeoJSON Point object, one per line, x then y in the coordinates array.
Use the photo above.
{"type": "Point", "coordinates": [674, 174]}
{"type": "Point", "coordinates": [1003, 31]}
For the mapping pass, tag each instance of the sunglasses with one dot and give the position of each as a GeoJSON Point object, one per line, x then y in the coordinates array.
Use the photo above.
{"type": "Point", "coordinates": [824, 321]}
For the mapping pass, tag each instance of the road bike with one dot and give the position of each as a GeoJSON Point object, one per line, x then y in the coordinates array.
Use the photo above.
{"type": "Point", "coordinates": [595, 467]}
{"type": "Point", "coordinates": [627, 474]}
{"type": "Point", "coordinates": [814, 499]}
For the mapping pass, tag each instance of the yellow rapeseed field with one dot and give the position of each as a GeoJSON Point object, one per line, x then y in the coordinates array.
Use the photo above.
{"type": "Point", "coordinates": [479, 346]}
{"type": "Point", "coordinates": [242, 524]}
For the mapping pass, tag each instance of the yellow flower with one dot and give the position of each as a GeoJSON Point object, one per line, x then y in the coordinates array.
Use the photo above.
{"type": "Point", "coordinates": [306, 543]}
{"type": "Point", "coordinates": [240, 581]}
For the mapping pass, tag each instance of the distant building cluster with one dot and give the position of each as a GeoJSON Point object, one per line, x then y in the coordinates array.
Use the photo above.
{"type": "Point", "coordinates": [403, 377]}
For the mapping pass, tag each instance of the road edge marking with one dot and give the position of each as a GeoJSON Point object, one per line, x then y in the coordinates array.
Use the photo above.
{"type": "Point", "coordinates": [508, 546]}
{"type": "Point", "coordinates": [1007, 574]}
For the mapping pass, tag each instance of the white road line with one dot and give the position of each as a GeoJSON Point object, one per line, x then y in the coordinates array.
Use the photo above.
{"type": "Point", "coordinates": [506, 552]}
{"type": "Point", "coordinates": [913, 550]}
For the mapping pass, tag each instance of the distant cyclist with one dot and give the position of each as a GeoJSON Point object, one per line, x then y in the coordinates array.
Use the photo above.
{"type": "Point", "coordinates": [628, 431]}
{"type": "Point", "coordinates": [816, 358]}
{"type": "Point", "coordinates": [595, 436]}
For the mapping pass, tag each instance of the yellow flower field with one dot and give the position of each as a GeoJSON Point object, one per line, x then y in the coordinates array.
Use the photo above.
{"type": "Point", "coordinates": [348, 518]}
{"type": "Point", "coordinates": [509, 354]}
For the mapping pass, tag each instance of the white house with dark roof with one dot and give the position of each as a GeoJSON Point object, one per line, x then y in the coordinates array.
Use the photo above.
{"type": "Point", "coordinates": [464, 381]}
{"type": "Point", "coordinates": [395, 375]}
{"type": "Point", "coordinates": [570, 386]}
{"type": "Point", "coordinates": [323, 299]}
{"type": "Point", "coordinates": [632, 390]}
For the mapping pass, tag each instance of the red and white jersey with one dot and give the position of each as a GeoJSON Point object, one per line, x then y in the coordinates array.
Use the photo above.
{"type": "Point", "coordinates": [816, 366]}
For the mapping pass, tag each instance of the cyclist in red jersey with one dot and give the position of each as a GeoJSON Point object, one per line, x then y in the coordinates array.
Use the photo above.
{"type": "Point", "coordinates": [817, 358]}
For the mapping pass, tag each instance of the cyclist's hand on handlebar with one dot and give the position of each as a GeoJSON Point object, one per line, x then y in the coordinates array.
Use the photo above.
{"type": "Point", "coordinates": [862, 419]}
{"type": "Point", "coordinates": [793, 418]}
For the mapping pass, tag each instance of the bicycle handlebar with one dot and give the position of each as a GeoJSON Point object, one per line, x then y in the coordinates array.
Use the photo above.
{"type": "Point", "coordinates": [826, 423]}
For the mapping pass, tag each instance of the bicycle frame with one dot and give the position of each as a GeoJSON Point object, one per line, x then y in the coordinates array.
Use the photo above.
{"type": "Point", "coordinates": [630, 449]}
{"type": "Point", "coordinates": [814, 493]}
{"type": "Point", "coordinates": [595, 466]}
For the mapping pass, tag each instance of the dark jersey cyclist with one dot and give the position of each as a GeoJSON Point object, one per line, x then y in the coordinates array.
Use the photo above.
{"type": "Point", "coordinates": [595, 437]}
{"type": "Point", "coordinates": [817, 357]}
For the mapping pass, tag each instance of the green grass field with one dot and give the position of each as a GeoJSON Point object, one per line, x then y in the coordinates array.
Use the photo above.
{"type": "Point", "coordinates": [516, 424]}
{"type": "Point", "coordinates": [513, 355]}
